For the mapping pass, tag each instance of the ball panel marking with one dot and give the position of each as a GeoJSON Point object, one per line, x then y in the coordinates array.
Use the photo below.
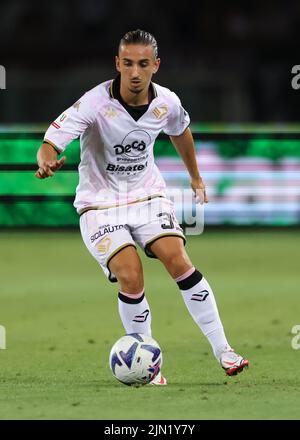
{"type": "Point", "coordinates": [129, 355]}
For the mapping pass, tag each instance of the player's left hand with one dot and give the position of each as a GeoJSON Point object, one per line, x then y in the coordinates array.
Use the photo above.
{"type": "Point", "coordinates": [199, 190]}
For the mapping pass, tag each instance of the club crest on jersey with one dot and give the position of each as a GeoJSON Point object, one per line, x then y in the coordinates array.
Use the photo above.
{"type": "Point", "coordinates": [60, 120]}
{"type": "Point", "coordinates": [160, 112]}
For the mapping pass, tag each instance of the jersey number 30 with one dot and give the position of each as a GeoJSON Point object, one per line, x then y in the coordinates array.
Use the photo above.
{"type": "Point", "coordinates": [168, 220]}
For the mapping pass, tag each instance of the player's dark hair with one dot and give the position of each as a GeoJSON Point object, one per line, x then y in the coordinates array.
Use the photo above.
{"type": "Point", "coordinates": [140, 37]}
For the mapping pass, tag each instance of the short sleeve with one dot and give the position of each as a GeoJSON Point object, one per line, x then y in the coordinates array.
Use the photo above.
{"type": "Point", "coordinates": [178, 118]}
{"type": "Point", "coordinates": [71, 123]}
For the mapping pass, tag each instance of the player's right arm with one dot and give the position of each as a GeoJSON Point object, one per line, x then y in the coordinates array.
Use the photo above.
{"type": "Point", "coordinates": [67, 127]}
{"type": "Point", "coordinates": [47, 161]}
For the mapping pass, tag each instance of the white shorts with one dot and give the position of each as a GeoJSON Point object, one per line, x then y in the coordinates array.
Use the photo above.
{"type": "Point", "coordinates": [107, 231]}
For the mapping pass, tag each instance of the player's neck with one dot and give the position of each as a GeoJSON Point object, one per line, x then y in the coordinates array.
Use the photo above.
{"type": "Point", "coordinates": [135, 99]}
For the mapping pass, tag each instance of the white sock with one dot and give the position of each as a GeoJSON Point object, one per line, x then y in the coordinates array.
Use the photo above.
{"type": "Point", "coordinates": [200, 301]}
{"type": "Point", "coordinates": [135, 313]}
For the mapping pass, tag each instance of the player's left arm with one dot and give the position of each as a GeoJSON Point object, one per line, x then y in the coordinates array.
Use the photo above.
{"type": "Point", "coordinates": [184, 144]}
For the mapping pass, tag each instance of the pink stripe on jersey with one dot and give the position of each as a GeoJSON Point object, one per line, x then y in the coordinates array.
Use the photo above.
{"type": "Point", "coordinates": [185, 275]}
{"type": "Point", "coordinates": [55, 125]}
{"type": "Point", "coordinates": [132, 295]}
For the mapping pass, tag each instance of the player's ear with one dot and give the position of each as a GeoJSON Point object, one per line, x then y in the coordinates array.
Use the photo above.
{"type": "Point", "coordinates": [156, 65]}
{"type": "Point", "coordinates": [117, 61]}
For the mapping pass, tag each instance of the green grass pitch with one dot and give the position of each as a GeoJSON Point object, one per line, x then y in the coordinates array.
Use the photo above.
{"type": "Point", "coordinates": [61, 320]}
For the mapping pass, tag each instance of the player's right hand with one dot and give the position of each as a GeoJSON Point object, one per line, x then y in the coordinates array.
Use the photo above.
{"type": "Point", "coordinates": [48, 168]}
{"type": "Point", "coordinates": [198, 187]}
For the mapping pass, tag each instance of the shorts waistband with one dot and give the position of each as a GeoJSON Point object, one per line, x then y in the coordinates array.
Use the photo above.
{"type": "Point", "coordinates": [98, 208]}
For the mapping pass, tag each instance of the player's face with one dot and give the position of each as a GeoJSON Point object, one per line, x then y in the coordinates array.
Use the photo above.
{"type": "Point", "coordinates": [136, 64]}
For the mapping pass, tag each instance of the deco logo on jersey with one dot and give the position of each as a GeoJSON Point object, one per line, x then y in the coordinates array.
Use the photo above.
{"type": "Point", "coordinates": [105, 230]}
{"type": "Point", "coordinates": [133, 144]}
{"type": "Point", "coordinates": [136, 145]}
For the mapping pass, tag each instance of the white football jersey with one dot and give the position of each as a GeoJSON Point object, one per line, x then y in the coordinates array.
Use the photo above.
{"type": "Point", "coordinates": [117, 164]}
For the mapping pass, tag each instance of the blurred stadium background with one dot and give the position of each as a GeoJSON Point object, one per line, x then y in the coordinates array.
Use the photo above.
{"type": "Point", "coordinates": [231, 66]}
{"type": "Point", "coordinates": [252, 176]}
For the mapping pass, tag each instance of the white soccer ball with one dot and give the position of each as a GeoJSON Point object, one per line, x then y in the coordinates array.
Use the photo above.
{"type": "Point", "coordinates": [135, 359]}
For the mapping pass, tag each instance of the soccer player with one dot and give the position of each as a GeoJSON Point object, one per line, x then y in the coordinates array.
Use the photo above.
{"type": "Point", "coordinates": [121, 195]}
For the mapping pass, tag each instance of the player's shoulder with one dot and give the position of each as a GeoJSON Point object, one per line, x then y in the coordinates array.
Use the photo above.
{"type": "Point", "coordinates": [167, 94]}
{"type": "Point", "coordinates": [96, 97]}
{"type": "Point", "coordinates": [99, 91]}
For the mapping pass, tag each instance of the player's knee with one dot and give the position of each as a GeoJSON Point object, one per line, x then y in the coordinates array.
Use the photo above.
{"type": "Point", "coordinates": [177, 264]}
{"type": "Point", "coordinates": [131, 280]}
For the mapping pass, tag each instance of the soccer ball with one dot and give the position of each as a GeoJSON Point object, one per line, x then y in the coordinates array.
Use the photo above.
{"type": "Point", "coordinates": [135, 359]}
